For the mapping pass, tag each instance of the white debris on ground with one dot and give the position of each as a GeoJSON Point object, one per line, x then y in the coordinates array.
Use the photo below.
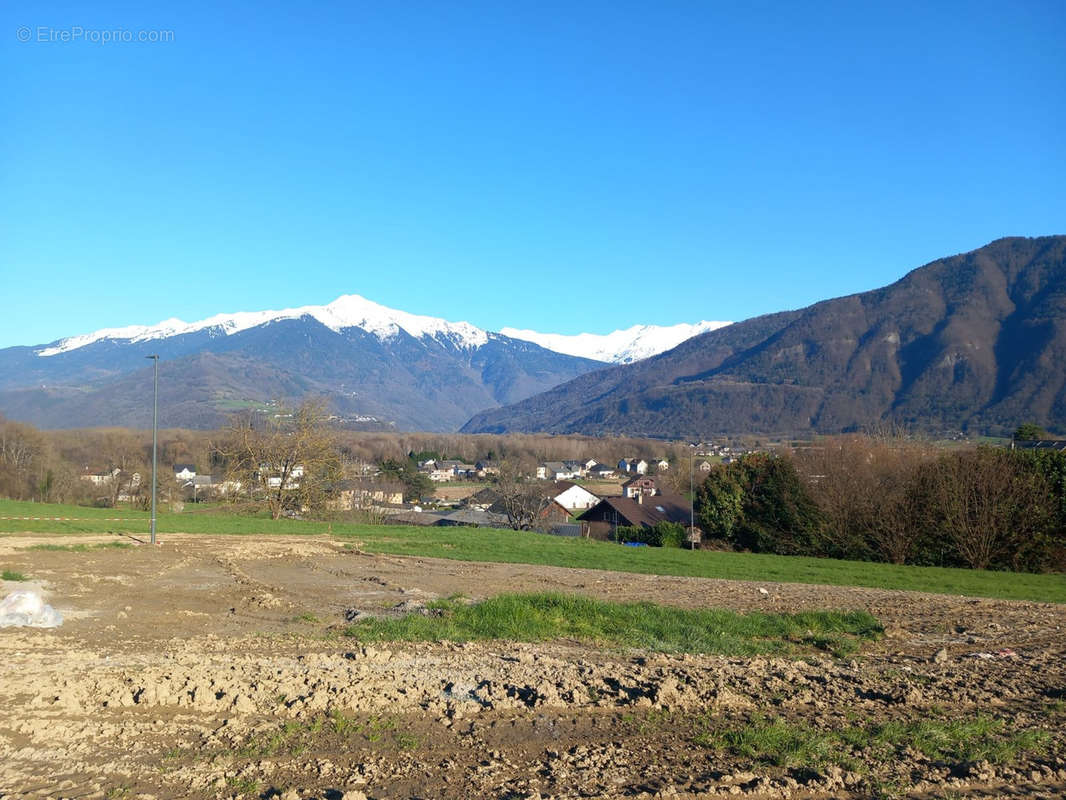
{"type": "Point", "coordinates": [26, 608]}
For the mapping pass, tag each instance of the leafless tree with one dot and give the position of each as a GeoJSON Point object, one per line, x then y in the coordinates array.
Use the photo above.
{"type": "Point", "coordinates": [988, 506]}
{"type": "Point", "coordinates": [287, 458]}
{"type": "Point", "coordinates": [524, 500]}
{"type": "Point", "coordinates": [21, 451]}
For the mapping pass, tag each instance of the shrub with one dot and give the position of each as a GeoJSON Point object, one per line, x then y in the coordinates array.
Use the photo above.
{"type": "Point", "coordinates": [776, 512]}
{"type": "Point", "coordinates": [662, 534]}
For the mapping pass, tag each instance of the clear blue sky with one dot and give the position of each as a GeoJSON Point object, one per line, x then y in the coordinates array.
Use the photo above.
{"type": "Point", "coordinates": [565, 167]}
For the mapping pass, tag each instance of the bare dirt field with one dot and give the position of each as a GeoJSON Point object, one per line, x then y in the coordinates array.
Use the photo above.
{"type": "Point", "coordinates": [216, 667]}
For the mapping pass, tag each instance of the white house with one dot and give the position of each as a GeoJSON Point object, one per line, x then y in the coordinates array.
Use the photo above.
{"type": "Point", "coordinates": [662, 465]}
{"type": "Point", "coordinates": [574, 497]}
{"type": "Point", "coordinates": [554, 471]}
{"type": "Point", "coordinates": [100, 477]}
{"type": "Point", "coordinates": [184, 472]}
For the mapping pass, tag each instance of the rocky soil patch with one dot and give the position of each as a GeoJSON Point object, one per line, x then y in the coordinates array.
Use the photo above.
{"type": "Point", "coordinates": [217, 668]}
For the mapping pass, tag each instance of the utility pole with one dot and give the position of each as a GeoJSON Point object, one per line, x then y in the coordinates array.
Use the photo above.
{"type": "Point", "coordinates": [155, 434]}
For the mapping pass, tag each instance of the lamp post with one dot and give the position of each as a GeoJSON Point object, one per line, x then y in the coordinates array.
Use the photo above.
{"type": "Point", "coordinates": [691, 497]}
{"type": "Point", "coordinates": [155, 433]}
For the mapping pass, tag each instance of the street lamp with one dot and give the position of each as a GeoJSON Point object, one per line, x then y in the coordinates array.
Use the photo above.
{"type": "Point", "coordinates": [155, 434]}
{"type": "Point", "coordinates": [691, 497]}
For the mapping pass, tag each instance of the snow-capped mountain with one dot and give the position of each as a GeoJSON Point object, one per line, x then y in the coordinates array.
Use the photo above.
{"type": "Point", "coordinates": [353, 311]}
{"type": "Point", "coordinates": [376, 365]}
{"type": "Point", "coordinates": [619, 347]}
{"type": "Point", "coordinates": [347, 311]}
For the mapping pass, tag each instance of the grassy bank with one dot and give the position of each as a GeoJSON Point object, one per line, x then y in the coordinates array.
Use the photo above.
{"type": "Point", "coordinates": [546, 616]}
{"type": "Point", "coordinates": [482, 544]}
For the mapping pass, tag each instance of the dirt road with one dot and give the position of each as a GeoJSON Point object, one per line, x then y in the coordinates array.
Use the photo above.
{"type": "Point", "coordinates": [216, 667]}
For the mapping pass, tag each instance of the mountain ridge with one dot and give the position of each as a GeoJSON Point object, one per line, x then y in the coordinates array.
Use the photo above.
{"type": "Point", "coordinates": [972, 341]}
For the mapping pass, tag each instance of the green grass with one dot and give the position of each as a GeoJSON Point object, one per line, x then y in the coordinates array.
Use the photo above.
{"type": "Point", "coordinates": [81, 547]}
{"type": "Point", "coordinates": [484, 544]}
{"type": "Point", "coordinates": [782, 743]}
{"type": "Point", "coordinates": [10, 575]}
{"type": "Point", "coordinates": [547, 616]}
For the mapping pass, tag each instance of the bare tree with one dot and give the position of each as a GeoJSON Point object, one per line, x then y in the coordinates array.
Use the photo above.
{"type": "Point", "coordinates": [288, 458]}
{"type": "Point", "coordinates": [988, 506]}
{"type": "Point", "coordinates": [524, 500]}
{"type": "Point", "coordinates": [21, 450]}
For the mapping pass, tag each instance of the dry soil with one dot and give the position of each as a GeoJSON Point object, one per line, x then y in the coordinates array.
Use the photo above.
{"type": "Point", "coordinates": [216, 667]}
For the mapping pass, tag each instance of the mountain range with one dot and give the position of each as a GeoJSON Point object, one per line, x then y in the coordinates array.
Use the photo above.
{"type": "Point", "coordinates": [378, 367]}
{"type": "Point", "coordinates": [975, 342]}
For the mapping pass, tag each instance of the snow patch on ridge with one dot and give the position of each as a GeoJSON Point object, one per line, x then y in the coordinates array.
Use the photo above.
{"type": "Point", "coordinates": [619, 347]}
{"type": "Point", "coordinates": [347, 311]}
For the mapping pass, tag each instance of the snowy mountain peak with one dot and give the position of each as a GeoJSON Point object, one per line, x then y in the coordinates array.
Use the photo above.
{"type": "Point", "coordinates": [353, 311]}
{"type": "Point", "coordinates": [347, 311]}
{"type": "Point", "coordinates": [619, 347]}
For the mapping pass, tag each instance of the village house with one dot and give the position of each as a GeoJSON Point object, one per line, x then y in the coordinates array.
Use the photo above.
{"type": "Point", "coordinates": [641, 511]}
{"type": "Point", "coordinates": [633, 465]}
{"type": "Point", "coordinates": [600, 471]}
{"type": "Point", "coordinates": [184, 472]}
{"type": "Point", "coordinates": [99, 476]}
{"type": "Point", "coordinates": [486, 468]}
{"type": "Point", "coordinates": [352, 495]}
{"type": "Point", "coordinates": [554, 471]}
{"type": "Point", "coordinates": [576, 467]}
{"type": "Point", "coordinates": [662, 465]}
{"type": "Point", "coordinates": [640, 485]}
{"type": "Point", "coordinates": [573, 497]}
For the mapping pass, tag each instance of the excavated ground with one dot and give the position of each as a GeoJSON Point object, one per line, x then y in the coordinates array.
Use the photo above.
{"type": "Point", "coordinates": [216, 667]}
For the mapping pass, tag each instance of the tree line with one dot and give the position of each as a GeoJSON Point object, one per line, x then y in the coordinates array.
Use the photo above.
{"type": "Point", "coordinates": [48, 465]}
{"type": "Point", "coordinates": [894, 500]}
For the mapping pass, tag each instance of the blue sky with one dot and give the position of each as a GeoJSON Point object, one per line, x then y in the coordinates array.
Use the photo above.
{"type": "Point", "coordinates": [556, 166]}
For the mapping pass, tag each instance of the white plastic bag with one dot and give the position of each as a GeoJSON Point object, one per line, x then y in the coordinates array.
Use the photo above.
{"type": "Point", "coordinates": [26, 608]}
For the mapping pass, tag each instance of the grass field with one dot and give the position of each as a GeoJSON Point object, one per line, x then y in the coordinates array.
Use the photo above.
{"type": "Point", "coordinates": [546, 616]}
{"type": "Point", "coordinates": [482, 544]}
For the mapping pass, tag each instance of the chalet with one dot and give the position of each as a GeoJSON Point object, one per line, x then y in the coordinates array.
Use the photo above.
{"type": "Point", "coordinates": [641, 511]}
{"type": "Point", "coordinates": [573, 497]}
{"type": "Point", "coordinates": [703, 466]}
{"type": "Point", "coordinates": [645, 485]}
{"type": "Point", "coordinates": [662, 465]}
